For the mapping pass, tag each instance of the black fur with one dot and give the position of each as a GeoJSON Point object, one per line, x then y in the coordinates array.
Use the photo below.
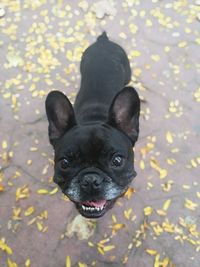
{"type": "Point", "coordinates": [101, 130]}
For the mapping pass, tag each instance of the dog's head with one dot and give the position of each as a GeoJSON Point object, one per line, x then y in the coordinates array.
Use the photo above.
{"type": "Point", "coordinates": [94, 162]}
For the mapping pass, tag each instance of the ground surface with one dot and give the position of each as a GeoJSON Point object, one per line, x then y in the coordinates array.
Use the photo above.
{"type": "Point", "coordinates": [157, 223]}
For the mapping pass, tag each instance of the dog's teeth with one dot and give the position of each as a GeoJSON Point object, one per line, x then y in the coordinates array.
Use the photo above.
{"type": "Point", "coordinates": [92, 209]}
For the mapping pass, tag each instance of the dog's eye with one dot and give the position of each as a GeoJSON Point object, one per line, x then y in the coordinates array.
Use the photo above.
{"type": "Point", "coordinates": [65, 163]}
{"type": "Point", "coordinates": [117, 161]}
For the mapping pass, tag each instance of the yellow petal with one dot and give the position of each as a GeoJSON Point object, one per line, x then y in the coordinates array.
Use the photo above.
{"type": "Point", "coordinates": [148, 211]}
{"type": "Point", "coordinates": [4, 144]}
{"type": "Point", "coordinates": [157, 229]}
{"type": "Point", "coordinates": [190, 204]}
{"type": "Point", "coordinates": [129, 192]}
{"type": "Point", "coordinates": [114, 219]}
{"type": "Point", "coordinates": [161, 212]}
{"type": "Point", "coordinates": [133, 28]}
{"type": "Point", "coordinates": [142, 165]}
{"type": "Point", "coordinates": [11, 263]}
{"type": "Point", "coordinates": [117, 227]}
{"type": "Point", "coordinates": [167, 204]}
{"type": "Point", "coordinates": [138, 243]}
{"type": "Point", "coordinates": [108, 248]}
{"type": "Point", "coordinates": [104, 241]}
{"type": "Point", "coordinates": [127, 213]}
{"type": "Point", "coordinates": [193, 163]}
{"type": "Point", "coordinates": [100, 251]}
{"type": "Point", "coordinates": [54, 191]}
{"type": "Point", "coordinates": [154, 164]}
{"type": "Point", "coordinates": [28, 263]}
{"type": "Point", "coordinates": [2, 188]}
{"type": "Point", "coordinates": [42, 191]}
{"type": "Point", "coordinates": [29, 211]}
{"type": "Point", "coordinates": [135, 53]}
{"type": "Point", "coordinates": [22, 192]}
{"type": "Point", "coordinates": [182, 44]}
{"type": "Point", "coordinates": [39, 226]}
{"type": "Point", "coordinates": [68, 261]}
{"type": "Point", "coordinates": [169, 137]}
{"type": "Point", "coordinates": [5, 247]}
{"type": "Point", "coordinates": [155, 58]}
{"type": "Point", "coordinates": [82, 264]}
{"type": "Point", "coordinates": [137, 72]}
{"type": "Point", "coordinates": [16, 213]}
{"type": "Point", "coordinates": [167, 49]}
{"type": "Point", "coordinates": [163, 173]}
{"type": "Point", "coordinates": [151, 251]}
{"type": "Point", "coordinates": [157, 262]}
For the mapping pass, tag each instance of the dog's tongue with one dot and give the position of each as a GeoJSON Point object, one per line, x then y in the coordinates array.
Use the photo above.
{"type": "Point", "coordinates": [97, 204]}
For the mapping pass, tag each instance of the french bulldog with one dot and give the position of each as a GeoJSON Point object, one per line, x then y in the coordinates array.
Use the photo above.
{"type": "Point", "coordinates": [93, 141]}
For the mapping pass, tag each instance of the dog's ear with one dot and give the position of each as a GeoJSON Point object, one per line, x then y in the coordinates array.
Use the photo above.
{"type": "Point", "coordinates": [124, 113]}
{"type": "Point", "coordinates": [60, 115]}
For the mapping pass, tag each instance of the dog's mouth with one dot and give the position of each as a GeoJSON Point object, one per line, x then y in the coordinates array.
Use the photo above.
{"type": "Point", "coordinates": [94, 209]}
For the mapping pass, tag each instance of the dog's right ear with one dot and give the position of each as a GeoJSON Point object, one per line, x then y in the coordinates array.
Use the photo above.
{"type": "Point", "coordinates": [60, 114]}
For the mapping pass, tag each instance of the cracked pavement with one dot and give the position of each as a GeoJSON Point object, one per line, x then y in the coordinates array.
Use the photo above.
{"type": "Point", "coordinates": [157, 222]}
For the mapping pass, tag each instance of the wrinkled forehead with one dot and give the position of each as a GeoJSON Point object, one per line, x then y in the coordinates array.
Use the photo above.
{"type": "Point", "coordinates": [87, 137]}
{"type": "Point", "coordinates": [93, 139]}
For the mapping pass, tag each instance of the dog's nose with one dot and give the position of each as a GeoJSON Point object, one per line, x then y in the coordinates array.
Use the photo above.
{"type": "Point", "coordinates": [91, 181]}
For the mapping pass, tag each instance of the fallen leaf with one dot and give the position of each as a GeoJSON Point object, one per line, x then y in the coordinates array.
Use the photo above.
{"type": "Point", "coordinates": [82, 264]}
{"type": "Point", "coordinates": [108, 248]}
{"type": "Point", "coordinates": [116, 227]}
{"type": "Point", "coordinates": [129, 192]}
{"type": "Point", "coordinates": [29, 211]}
{"type": "Point", "coordinates": [2, 188]}
{"type": "Point", "coordinates": [68, 261]}
{"type": "Point", "coordinates": [151, 251]}
{"type": "Point", "coordinates": [43, 191]}
{"type": "Point", "coordinates": [167, 204]}
{"type": "Point", "coordinates": [11, 263]}
{"type": "Point", "coordinates": [161, 212]}
{"type": "Point", "coordinates": [5, 247]}
{"type": "Point", "coordinates": [22, 192]}
{"type": "Point", "coordinates": [189, 204]}
{"type": "Point", "coordinates": [28, 263]}
{"type": "Point", "coordinates": [148, 210]}
{"type": "Point", "coordinates": [169, 137]}
{"type": "Point", "coordinates": [127, 213]}
{"type": "Point", "coordinates": [54, 191]}
{"type": "Point", "coordinates": [4, 144]}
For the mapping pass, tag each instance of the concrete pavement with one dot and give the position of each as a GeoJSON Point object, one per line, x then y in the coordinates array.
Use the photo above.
{"type": "Point", "coordinates": [157, 223]}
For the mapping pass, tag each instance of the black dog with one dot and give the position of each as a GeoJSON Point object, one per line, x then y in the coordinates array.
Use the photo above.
{"type": "Point", "coordinates": [94, 142]}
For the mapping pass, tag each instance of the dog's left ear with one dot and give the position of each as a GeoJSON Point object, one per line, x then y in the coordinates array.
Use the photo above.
{"type": "Point", "coordinates": [124, 113]}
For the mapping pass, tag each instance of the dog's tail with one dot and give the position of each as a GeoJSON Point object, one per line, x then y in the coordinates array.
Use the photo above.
{"type": "Point", "coordinates": [102, 37]}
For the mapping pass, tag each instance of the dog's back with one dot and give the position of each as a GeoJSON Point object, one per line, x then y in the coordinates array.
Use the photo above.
{"type": "Point", "coordinates": [105, 55]}
{"type": "Point", "coordinates": [104, 67]}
